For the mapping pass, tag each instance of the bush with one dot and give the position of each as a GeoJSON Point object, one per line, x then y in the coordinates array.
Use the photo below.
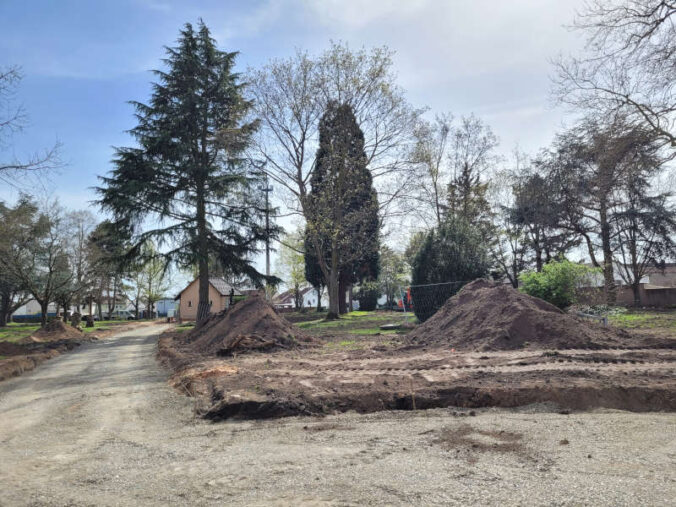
{"type": "Point", "coordinates": [368, 295]}
{"type": "Point", "coordinates": [557, 283]}
{"type": "Point", "coordinates": [456, 252]}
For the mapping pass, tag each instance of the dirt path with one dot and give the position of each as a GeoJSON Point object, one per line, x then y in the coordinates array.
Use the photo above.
{"type": "Point", "coordinates": [99, 426]}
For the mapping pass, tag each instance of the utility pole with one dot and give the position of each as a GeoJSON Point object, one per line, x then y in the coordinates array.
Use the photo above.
{"type": "Point", "coordinates": [267, 189]}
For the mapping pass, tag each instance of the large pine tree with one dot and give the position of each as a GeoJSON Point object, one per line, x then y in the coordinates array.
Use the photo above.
{"type": "Point", "coordinates": [188, 176]}
{"type": "Point", "coordinates": [343, 225]}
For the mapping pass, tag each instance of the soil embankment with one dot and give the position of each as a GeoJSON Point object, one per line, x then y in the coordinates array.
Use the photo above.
{"type": "Point", "coordinates": [251, 325]}
{"type": "Point", "coordinates": [487, 316]}
{"type": "Point", "coordinates": [490, 346]}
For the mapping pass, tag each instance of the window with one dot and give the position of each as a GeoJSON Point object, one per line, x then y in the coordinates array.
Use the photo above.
{"type": "Point", "coordinates": [189, 304]}
{"type": "Point", "coordinates": [211, 302]}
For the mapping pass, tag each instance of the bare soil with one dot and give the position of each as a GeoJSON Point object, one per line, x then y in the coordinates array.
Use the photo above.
{"type": "Point", "coordinates": [251, 324]}
{"type": "Point", "coordinates": [313, 382]}
{"type": "Point", "coordinates": [487, 346]}
{"type": "Point", "coordinates": [56, 330]}
{"type": "Point", "coordinates": [489, 316]}
{"type": "Point", "coordinates": [100, 426]}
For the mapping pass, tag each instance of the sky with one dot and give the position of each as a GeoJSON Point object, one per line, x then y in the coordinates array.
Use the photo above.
{"type": "Point", "coordinates": [83, 60]}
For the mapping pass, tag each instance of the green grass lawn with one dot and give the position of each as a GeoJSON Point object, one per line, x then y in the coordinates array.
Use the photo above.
{"type": "Point", "coordinates": [15, 331]}
{"type": "Point", "coordinates": [186, 326]}
{"type": "Point", "coordinates": [355, 330]}
{"type": "Point", "coordinates": [104, 325]}
{"type": "Point", "coordinates": [645, 319]}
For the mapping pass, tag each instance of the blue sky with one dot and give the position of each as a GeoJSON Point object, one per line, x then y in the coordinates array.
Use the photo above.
{"type": "Point", "coordinates": [83, 60]}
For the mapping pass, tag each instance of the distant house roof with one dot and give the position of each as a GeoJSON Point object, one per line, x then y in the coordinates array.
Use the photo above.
{"type": "Point", "coordinates": [217, 283]}
{"type": "Point", "coordinates": [286, 297]}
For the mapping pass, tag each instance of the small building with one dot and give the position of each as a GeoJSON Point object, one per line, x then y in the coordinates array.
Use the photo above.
{"type": "Point", "coordinates": [286, 300]}
{"type": "Point", "coordinates": [219, 297]}
{"type": "Point", "coordinates": [662, 276]}
{"type": "Point", "coordinates": [164, 305]}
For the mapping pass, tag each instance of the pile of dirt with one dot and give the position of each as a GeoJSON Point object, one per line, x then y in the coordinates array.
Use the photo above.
{"type": "Point", "coordinates": [251, 324]}
{"type": "Point", "coordinates": [56, 330]}
{"type": "Point", "coordinates": [11, 349]}
{"type": "Point", "coordinates": [488, 316]}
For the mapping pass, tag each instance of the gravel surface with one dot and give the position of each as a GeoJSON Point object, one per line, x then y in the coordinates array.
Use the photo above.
{"type": "Point", "coordinates": [100, 426]}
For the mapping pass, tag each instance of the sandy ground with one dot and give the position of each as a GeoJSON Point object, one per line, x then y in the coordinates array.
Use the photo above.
{"type": "Point", "coordinates": [100, 426]}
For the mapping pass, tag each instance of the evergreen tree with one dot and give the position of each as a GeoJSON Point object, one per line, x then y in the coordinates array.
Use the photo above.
{"type": "Point", "coordinates": [455, 252]}
{"type": "Point", "coordinates": [343, 223]}
{"type": "Point", "coordinates": [188, 171]}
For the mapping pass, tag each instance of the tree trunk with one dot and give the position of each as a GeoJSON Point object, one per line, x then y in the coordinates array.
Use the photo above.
{"type": "Point", "coordinates": [342, 307]}
{"type": "Point", "coordinates": [515, 275]}
{"type": "Point", "coordinates": [43, 309]}
{"type": "Point", "coordinates": [65, 313]}
{"type": "Point", "coordinates": [203, 307]}
{"type": "Point", "coordinates": [636, 289]}
{"type": "Point", "coordinates": [5, 301]}
{"type": "Point", "coordinates": [296, 297]}
{"type": "Point", "coordinates": [608, 278]}
{"type": "Point", "coordinates": [350, 296]}
{"type": "Point", "coordinates": [334, 291]}
{"type": "Point", "coordinates": [319, 298]}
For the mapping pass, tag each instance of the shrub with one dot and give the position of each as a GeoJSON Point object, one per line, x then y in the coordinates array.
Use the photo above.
{"type": "Point", "coordinates": [557, 283]}
{"type": "Point", "coordinates": [368, 295]}
{"type": "Point", "coordinates": [455, 252]}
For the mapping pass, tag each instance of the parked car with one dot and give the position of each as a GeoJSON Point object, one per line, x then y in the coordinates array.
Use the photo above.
{"type": "Point", "coordinates": [123, 315]}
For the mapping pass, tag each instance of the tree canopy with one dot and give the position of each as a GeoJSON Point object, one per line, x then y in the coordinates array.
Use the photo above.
{"type": "Point", "coordinates": [188, 172]}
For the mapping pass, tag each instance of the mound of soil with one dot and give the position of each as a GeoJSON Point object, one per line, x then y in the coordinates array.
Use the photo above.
{"type": "Point", "coordinates": [488, 316]}
{"type": "Point", "coordinates": [251, 324]}
{"type": "Point", "coordinates": [11, 349]}
{"type": "Point", "coordinates": [56, 330]}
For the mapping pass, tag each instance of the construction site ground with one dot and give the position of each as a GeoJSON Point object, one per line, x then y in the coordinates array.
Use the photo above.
{"type": "Point", "coordinates": [357, 367]}
{"type": "Point", "coordinates": [100, 426]}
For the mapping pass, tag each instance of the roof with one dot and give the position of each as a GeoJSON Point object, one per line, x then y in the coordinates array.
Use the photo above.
{"type": "Point", "coordinates": [223, 287]}
{"type": "Point", "coordinates": [287, 296]}
{"type": "Point", "coordinates": [217, 283]}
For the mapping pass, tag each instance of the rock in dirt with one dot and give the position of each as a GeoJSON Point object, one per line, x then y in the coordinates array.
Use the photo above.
{"type": "Point", "coordinates": [489, 316]}
{"type": "Point", "coordinates": [56, 330]}
{"type": "Point", "coordinates": [251, 324]}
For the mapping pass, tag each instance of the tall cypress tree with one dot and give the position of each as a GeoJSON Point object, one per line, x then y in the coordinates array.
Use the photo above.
{"type": "Point", "coordinates": [188, 176]}
{"type": "Point", "coordinates": [343, 225]}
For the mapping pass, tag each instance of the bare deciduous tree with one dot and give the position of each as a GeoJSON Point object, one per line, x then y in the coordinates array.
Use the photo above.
{"type": "Point", "coordinates": [291, 95]}
{"type": "Point", "coordinates": [12, 120]}
{"type": "Point", "coordinates": [628, 66]}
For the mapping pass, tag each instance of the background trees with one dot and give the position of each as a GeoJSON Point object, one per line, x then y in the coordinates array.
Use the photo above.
{"type": "Point", "coordinates": [394, 275]}
{"type": "Point", "coordinates": [628, 66]}
{"type": "Point", "coordinates": [457, 253]}
{"type": "Point", "coordinates": [291, 264]}
{"type": "Point", "coordinates": [291, 95]}
{"type": "Point", "coordinates": [188, 170]}
{"type": "Point", "coordinates": [16, 226]}
{"type": "Point", "coordinates": [342, 223]}
{"type": "Point", "coordinates": [35, 254]}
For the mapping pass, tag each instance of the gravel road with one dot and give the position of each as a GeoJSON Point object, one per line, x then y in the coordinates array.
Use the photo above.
{"type": "Point", "coordinates": [100, 426]}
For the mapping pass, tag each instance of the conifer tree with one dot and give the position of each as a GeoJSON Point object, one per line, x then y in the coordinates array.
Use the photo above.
{"type": "Point", "coordinates": [188, 173]}
{"type": "Point", "coordinates": [343, 224]}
